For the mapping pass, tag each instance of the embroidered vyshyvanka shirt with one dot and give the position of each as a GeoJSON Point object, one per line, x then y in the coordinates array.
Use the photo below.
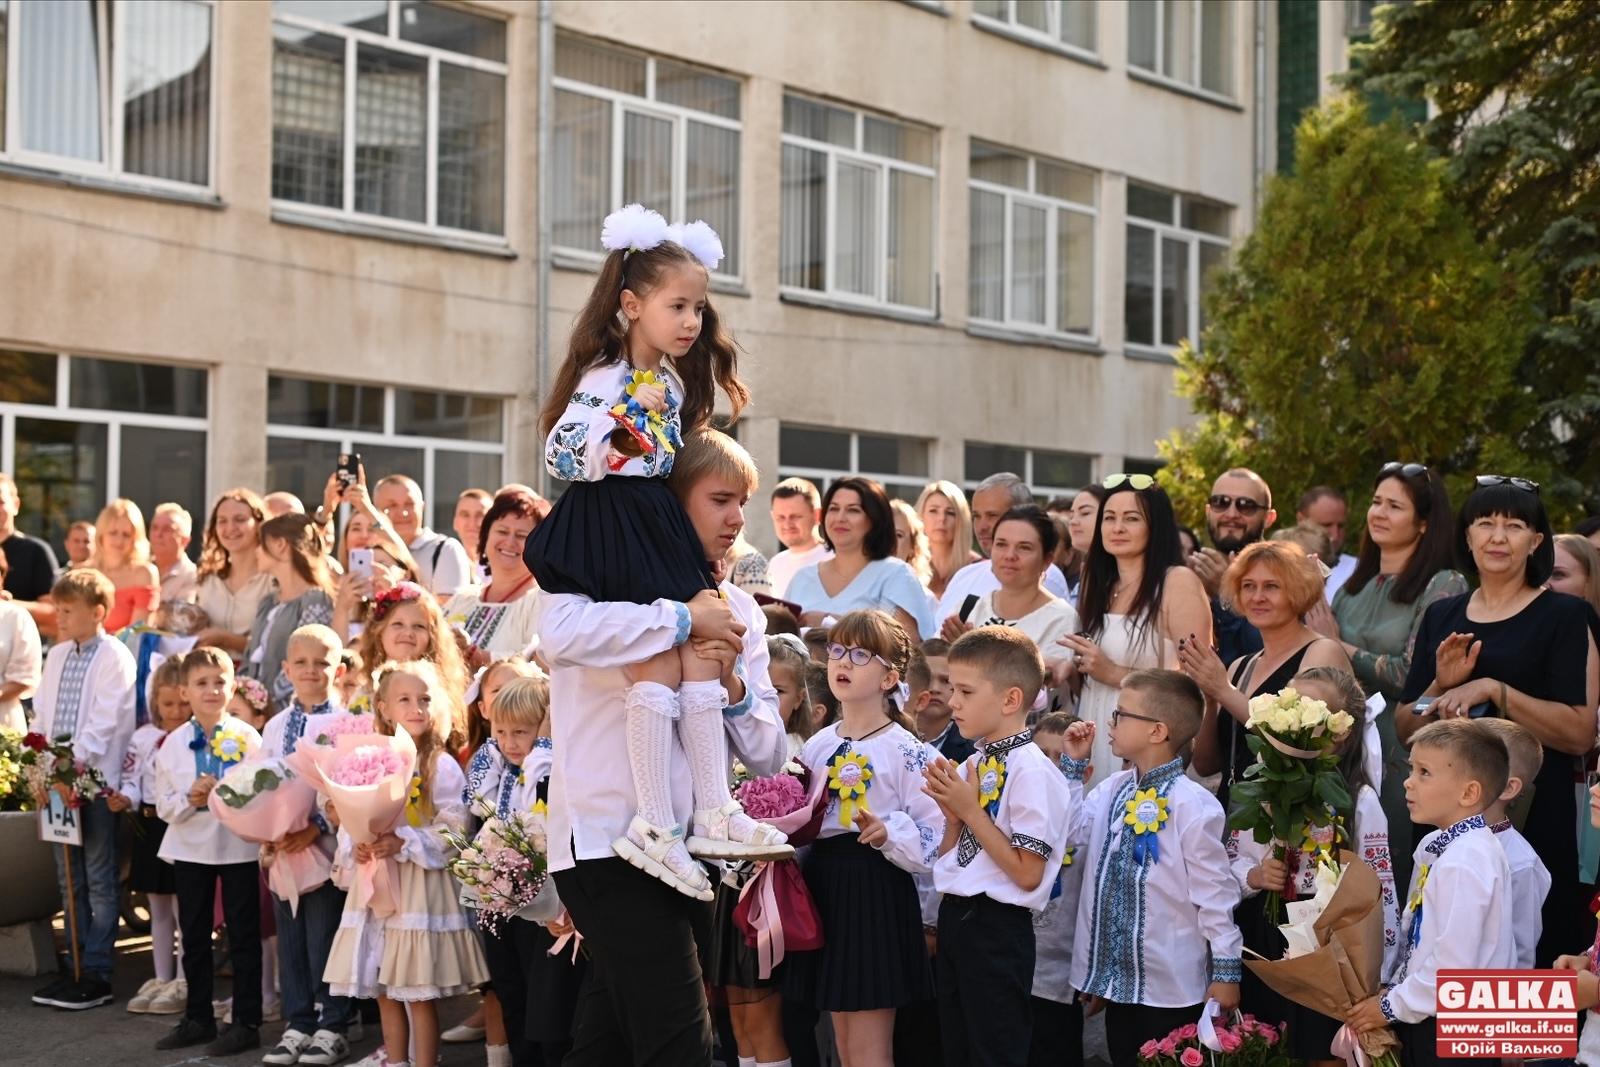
{"type": "Point", "coordinates": [194, 834]}
{"type": "Point", "coordinates": [912, 818]}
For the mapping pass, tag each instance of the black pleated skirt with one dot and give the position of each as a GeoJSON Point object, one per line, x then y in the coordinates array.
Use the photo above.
{"type": "Point", "coordinates": [1310, 1032]}
{"type": "Point", "coordinates": [873, 954]}
{"type": "Point", "coordinates": [729, 960]}
{"type": "Point", "coordinates": [148, 872]}
{"type": "Point", "coordinates": [619, 539]}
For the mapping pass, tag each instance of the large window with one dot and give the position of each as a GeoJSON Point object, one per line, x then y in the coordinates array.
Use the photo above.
{"type": "Point", "coordinates": [1189, 42]}
{"type": "Point", "coordinates": [1048, 474]}
{"type": "Point", "coordinates": [857, 206]}
{"type": "Point", "coordinates": [632, 128]}
{"type": "Point", "coordinates": [1054, 22]}
{"type": "Point", "coordinates": [446, 441]}
{"type": "Point", "coordinates": [1032, 250]}
{"type": "Point", "coordinates": [77, 432]}
{"type": "Point", "coordinates": [114, 89]}
{"type": "Point", "coordinates": [1175, 245]}
{"type": "Point", "coordinates": [391, 110]}
{"type": "Point", "coordinates": [900, 463]}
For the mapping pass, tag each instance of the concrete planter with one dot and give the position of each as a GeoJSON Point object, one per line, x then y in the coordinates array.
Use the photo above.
{"type": "Point", "coordinates": [30, 868]}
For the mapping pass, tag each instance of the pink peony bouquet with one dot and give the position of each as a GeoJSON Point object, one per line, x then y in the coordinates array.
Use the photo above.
{"type": "Point", "coordinates": [501, 869]}
{"type": "Point", "coordinates": [321, 740]}
{"type": "Point", "coordinates": [771, 798]}
{"type": "Point", "coordinates": [1245, 1041]}
{"type": "Point", "coordinates": [367, 780]}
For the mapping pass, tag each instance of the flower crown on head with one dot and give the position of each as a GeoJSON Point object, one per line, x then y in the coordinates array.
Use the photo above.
{"type": "Point", "coordinates": [254, 693]}
{"type": "Point", "coordinates": [393, 597]}
{"type": "Point", "coordinates": [636, 228]}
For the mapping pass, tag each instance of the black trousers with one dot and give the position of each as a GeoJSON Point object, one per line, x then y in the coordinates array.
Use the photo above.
{"type": "Point", "coordinates": [1130, 1025]}
{"type": "Point", "coordinates": [644, 1002]}
{"type": "Point", "coordinates": [985, 982]}
{"type": "Point", "coordinates": [1419, 1047]}
{"type": "Point", "coordinates": [1057, 1034]}
{"type": "Point", "coordinates": [241, 910]}
{"type": "Point", "coordinates": [509, 954]}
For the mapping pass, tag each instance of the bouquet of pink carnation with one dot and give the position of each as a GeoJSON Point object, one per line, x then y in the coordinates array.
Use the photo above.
{"type": "Point", "coordinates": [775, 910]}
{"type": "Point", "coordinates": [321, 737]}
{"type": "Point", "coordinates": [1245, 1042]}
{"type": "Point", "coordinates": [263, 801]}
{"type": "Point", "coordinates": [367, 779]}
{"type": "Point", "coordinates": [502, 868]}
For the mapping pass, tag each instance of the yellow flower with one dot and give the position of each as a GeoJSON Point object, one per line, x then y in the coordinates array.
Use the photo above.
{"type": "Point", "coordinates": [1067, 855]}
{"type": "Point", "coordinates": [1147, 813]}
{"type": "Point", "coordinates": [1339, 723]}
{"type": "Point", "coordinates": [414, 802]}
{"type": "Point", "coordinates": [228, 747]}
{"type": "Point", "coordinates": [850, 776]}
{"type": "Point", "coordinates": [991, 779]}
{"type": "Point", "coordinates": [539, 808]}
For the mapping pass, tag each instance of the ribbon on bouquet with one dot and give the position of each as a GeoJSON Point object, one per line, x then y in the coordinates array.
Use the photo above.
{"type": "Point", "coordinates": [1347, 1046]}
{"type": "Point", "coordinates": [1290, 750]}
{"type": "Point", "coordinates": [291, 874]}
{"type": "Point", "coordinates": [571, 937]}
{"type": "Point", "coordinates": [766, 921]}
{"type": "Point", "coordinates": [375, 887]}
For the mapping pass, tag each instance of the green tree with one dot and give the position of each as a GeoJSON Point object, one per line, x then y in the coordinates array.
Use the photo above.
{"type": "Point", "coordinates": [1515, 89]}
{"type": "Point", "coordinates": [1362, 321]}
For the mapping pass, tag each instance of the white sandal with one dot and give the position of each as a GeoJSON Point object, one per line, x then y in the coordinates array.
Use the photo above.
{"type": "Point", "coordinates": [727, 833]}
{"type": "Point", "coordinates": [660, 853]}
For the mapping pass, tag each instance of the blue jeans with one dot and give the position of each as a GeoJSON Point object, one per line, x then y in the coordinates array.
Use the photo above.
{"type": "Point", "coordinates": [303, 944]}
{"type": "Point", "coordinates": [96, 891]}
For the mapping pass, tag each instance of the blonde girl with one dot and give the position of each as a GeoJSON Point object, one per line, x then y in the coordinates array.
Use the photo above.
{"type": "Point", "coordinates": [426, 951]}
{"type": "Point", "coordinates": [122, 553]}
{"type": "Point", "coordinates": [911, 540]}
{"type": "Point", "coordinates": [947, 521]}
{"type": "Point", "coordinates": [407, 624]}
{"type": "Point", "coordinates": [786, 666]}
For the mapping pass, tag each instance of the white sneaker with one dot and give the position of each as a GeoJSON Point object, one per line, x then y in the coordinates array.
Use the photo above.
{"type": "Point", "coordinates": [727, 833]}
{"type": "Point", "coordinates": [459, 1035]}
{"type": "Point", "coordinates": [660, 853]}
{"type": "Point", "coordinates": [378, 1057]}
{"type": "Point", "coordinates": [139, 1003]}
{"type": "Point", "coordinates": [290, 1046]}
{"type": "Point", "coordinates": [325, 1047]}
{"type": "Point", "coordinates": [171, 1000]}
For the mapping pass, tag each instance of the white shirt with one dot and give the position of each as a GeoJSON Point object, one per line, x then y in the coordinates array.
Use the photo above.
{"type": "Point", "coordinates": [1033, 812]}
{"type": "Point", "coordinates": [1054, 929]}
{"type": "Point", "coordinates": [782, 568]}
{"type": "Point", "coordinates": [105, 710]}
{"type": "Point", "coordinates": [1155, 933]}
{"type": "Point", "coordinates": [976, 579]}
{"type": "Point", "coordinates": [1045, 625]}
{"type": "Point", "coordinates": [587, 646]}
{"type": "Point", "coordinates": [193, 834]}
{"type": "Point", "coordinates": [894, 793]}
{"type": "Point", "coordinates": [139, 766]}
{"type": "Point", "coordinates": [1338, 575]}
{"type": "Point", "coordinates": [20, 659]}
{"type": "Point", "coordinates": [1466, 917]}
{"type": "Point", "coordinates": [442, 564]}
{"type": "Point", "coordinates": [1530, 883]}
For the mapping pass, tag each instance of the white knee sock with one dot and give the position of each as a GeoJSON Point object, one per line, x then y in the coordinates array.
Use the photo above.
{"type": "Point", "coordinates": [164, 935]}
{"type": "Point", "coordinates": [705, 741]}
{"type": "Point", "coordinates": [747, 1061]}
{"type": "Point", "coordinates": [785, 1062]}
{"type": "Point", "coordinates": [499, 1055]}
{"type": "Point", "coordinates": [650, 709]}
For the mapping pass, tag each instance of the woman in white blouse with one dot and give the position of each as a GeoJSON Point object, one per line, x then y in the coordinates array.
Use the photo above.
{"type": "Point", "coordinates": [1025, 541]}
{"type": "Point", "coordinates": [232, 583]}
{"type": "Point", "coordinates": [20, 659]}
{"type": "Point", "coordinates": [499, 619]}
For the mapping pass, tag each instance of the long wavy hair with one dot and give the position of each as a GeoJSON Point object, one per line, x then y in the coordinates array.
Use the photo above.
{"type": "Point", "coordinates": [308, 553]}
{"type": "Point", "coordinates": [945, 564]}
{"type": "Point", "coordinates": [599, 337]}
{"type": "Point", "coordinates": [442, 650]}
{"type": "Point", "coordinates": [1162, 552]}
{"type": "Point", "coordinates": [213, 557]}
{"type": "Point", "coordinates": [120, 509]}
{"type": "Point", "coordinates": [920, 560]}
{"type": "Point", "coordinates": [444, 712]}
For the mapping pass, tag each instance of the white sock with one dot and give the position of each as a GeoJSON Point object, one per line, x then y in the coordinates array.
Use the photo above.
{"type": "Point", "coordinates": [785, 1062]}
{"type": "Point", "coordinates": [650, 709]}
{"type": "Point", "coordinates": [499, 1055]}
{"type": "Point", "coordinates": [705, 742]}
{"type": "Point", "coordinates": [164, 935]}
{"type": "Point", "coordinates": [747, 1061]}
{"type": "Point", "coordinates": [269, 969]}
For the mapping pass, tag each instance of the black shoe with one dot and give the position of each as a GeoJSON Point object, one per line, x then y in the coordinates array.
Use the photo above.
{"type": "Point", "coordinates": [45, 995]}
{"type": "Point", "coordinates": [186, 1033]}
{"type": "Point", "coordinates": [234, 1040]}
{"type": "Point", "coordinates": [91, 992]}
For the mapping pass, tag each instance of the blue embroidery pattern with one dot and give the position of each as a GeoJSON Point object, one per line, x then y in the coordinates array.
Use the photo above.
{"type": "Point", "coordinates": [916, 758]}
{"type": "Point", "coordinates": [1434, 848]}
{"type": "Point", "coordinates": [564, 456]}
{"type": "Point", "coordinates": [588, 400]}
{"type": "Point", "coordinates": [485, 762]}
{"type": "Point", "coordinates": [930, 844]}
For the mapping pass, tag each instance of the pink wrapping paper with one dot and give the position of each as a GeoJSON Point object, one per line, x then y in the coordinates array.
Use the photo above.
{"type": "Point", "coordinates": [266, 818]}
{"type": "Point", "coordinates": [367, 812]}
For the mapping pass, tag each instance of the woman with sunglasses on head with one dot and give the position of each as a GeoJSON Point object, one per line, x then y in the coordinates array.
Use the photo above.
{"type": "Point", "coordinates": [1516, 650]}
{"type": "Point", "coordinates": [1405, 567]}
{"type": "Point", "coordinates": [1136, 601]}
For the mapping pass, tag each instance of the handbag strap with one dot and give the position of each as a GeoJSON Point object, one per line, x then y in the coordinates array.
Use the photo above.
{"type": "Point", "coordinates": [1242, 676]}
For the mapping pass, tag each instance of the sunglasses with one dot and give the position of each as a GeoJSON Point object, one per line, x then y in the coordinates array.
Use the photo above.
{"type": "Point", "coordinates": [1137, 482]}
{"type": "Point", "coordinates": [860, 657]}
{"type": "Point", "coordinates": [1407, 470]}
{"type": "Point", "coordinates": [1118, 713]}
{"type": "Point", "coordinates": [1526, 485]}
{"type": "Point", "coordinates": [1246, 507]}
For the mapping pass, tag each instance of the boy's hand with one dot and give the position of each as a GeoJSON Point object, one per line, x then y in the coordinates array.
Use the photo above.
{"type": "Point", "coordinates": [1571, 963]}
{"type": "Point", "coordinates": [1079, 742]}
{"type": "Point", "coordinates": [871, 829]}
{"type": "Point", "coordinates": [64, 791]}
{"type": "Point", "coordinates": [1270, 874]}
{"type": "Point", "coordinates": [297, 840]}
{"type": "Point", "coordinates": [118, 802]}
{"type": "Point", "coordinates": [1366, 1017]}
{"type": "Point", "coordinates": [1226, 994]}
{"type": "Point", "coordinates": [957, 795]}
{"type": "Point", "coordinates": [201, 790]}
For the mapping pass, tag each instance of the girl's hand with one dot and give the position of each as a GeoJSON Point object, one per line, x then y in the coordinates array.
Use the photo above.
{"type": "Point", "coordinates": [1453, 664]}
{"type": "Point", "coordinates": [871, 829]}
{"type": "Point", "coordinates": [650, 397]}
{"type": "Point", "coordinates": [1201, 663]}
{"type": "Point", "coordinates": [386, 845]}
{"type": "Point", "coordinates": [1366, 1017]}
{"type": "Point", "coordinates": [1270, 874]}
{"type": "Point", "coordinates": [1079, 740]}
{"type": "Point", "coordinates": [1091, 662]}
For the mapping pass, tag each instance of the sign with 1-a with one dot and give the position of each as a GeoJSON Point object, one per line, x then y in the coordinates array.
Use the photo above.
{"type": "Point", "coordinates": [59, 824]}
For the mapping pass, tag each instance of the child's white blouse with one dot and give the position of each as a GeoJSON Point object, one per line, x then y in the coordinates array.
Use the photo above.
{"type": "Point", "coordinates": [913, 819]}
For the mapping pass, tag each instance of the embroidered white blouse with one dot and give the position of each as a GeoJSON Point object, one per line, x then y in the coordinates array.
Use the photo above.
{"type": "Point", "coordinates": [138, 782]}
{"type": "Point", "coordinates": [1045, 625]}
{"type": "Point", "coordinates": [1530, 882]}
{"type": "Point", "coordinates": [193, 834]}
{"type": "Point", "coordinates": [579, 448]}
{"type": "Point", "coordinates": [1155, 932]}
{"type": "Point", "coordinates": [105, 718]}
{"type": "Point", "coordinates": [894, 793]}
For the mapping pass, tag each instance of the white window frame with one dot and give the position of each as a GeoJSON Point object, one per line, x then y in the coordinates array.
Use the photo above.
{"type": "Point", "coordinates": [1173, 230]}
{"type": "Point", "coordinates": [822, 476]}
{"type": "Point", "coordinates": [111, 111]}
{"type": "Point", "coordinates": [351, 440]}
{"type": "Point", "coordinates": [1026, 474]}
{"type": "Point", "coordinates": [1052, 206]}
{"type": "Point", "coordinates": [884, 165]}
{"type": "Point", "coordinates": [63, 411]}
{"type": "Point", "coordinates": [1156, 74]}
{"type": "Point", "coordinates": [435, 56]}
{"type": "Point", "coordinates": [621, 104]}
{"type": "Point", "coordinates": [1010, 27]}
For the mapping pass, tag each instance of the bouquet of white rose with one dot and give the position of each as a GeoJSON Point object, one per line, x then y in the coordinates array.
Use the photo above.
{"type": "Point", "coordinates": [502, 868]}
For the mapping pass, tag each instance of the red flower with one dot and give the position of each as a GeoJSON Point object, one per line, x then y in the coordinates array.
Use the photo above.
{"type": "Point", "coordinates": [37, 742]}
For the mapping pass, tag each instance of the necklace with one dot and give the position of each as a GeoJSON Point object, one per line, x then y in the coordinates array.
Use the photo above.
{"type": "Point", "coordinates": [870, 733]}
{"type": "Point", "coordinates": [509, 596]}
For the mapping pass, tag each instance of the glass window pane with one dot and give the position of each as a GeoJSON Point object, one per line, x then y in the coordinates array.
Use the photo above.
{"type": "Point", "coordinates": [581, 185]}
{"type": "Point", "coordinates": [1213, 260]}
{"type": "Point", "coordinates": [453, 30]}
{"type": "Point", "coordinates": [1177, 39]}
{"type": "Point", "coordinates": [145, 388]}
{"type": "Point", "coordinates": [1174, 291]}
{"type": "Point", "coordinates": [459, 415]}
{"type": "Point", "coordinates": [1205, 217]}
{"type": "Point", "coordinates": [472, 149]}
{"type": "Point", "coordinates": [1077, 23]}
{"type": "Point", "coordinates": [61, 476]}
{"type": "Point", "coordinates": [986, 260]}
{"type": "Point", "coordinates": [453, 472]}
{"type": "Point", "coordinates": [326, 405]}
{"type": "Point", "coordinates": [27, 377]}
{"type": "Point", "coordinates": [910, 263]}
{"type": "Point", "coordinates": [384, 460]}
{"type": "Point", "coordinates": [1142, 33]}
{"type": "Point", "coordinates": [1074, 272]}
{"type": "Point", "coordinates": [160, 465]}
{"type": "Point", "coordinates": [693, 88]}
{"type": "Point", "coordinates": [1065, 182]}
{"type": "Point", "coordinates": [876, 454]}
{"type": "Point", "coordinates": [369, 15]}
{"type": "Point", "coordinates": [61, 91]}
{"type": "Point", "coordinates": [912, 144]}
{"type": "Point", "coordinates": [166, 84]}
{"type": "Point", "coordinates": [647, 161]}
{"type": "Point", "coordinates": [1216, 46]}
{"type": "Point", "coordinates": [818, 121]}
{"type": "Point", "coordinates": [1033, 15]}
{"type": "Point", "coordinates": [391, 134]}
{"type": "Point", "coordinates": [990, 163]}
{"type": "Point", "coordinates": [1028, 237]}
{"type": "Point", "coordinates": [994, 9]}
{"type": "Point", "coordinates": [1061, 470]}
{"type": "Point", "coordinates": [801, 245]}
{"type": "Point", "coordinates": [711, 179]}
{"type": "Point", "coordinates": [1139, 298]}
{"type": "Point", "coordinates": [856, 256]}
{"type": "Point", "coordinates": [307, 117]}
{"type": "Point", "coordinates": [581, 59]}
{"type": "Point", "coordinates": [983, 460]}
{"type": "Point", "coordinates": [302, 467]}
{"type": "Point", "coordinates": [800, 446]}
{"type": "Point", "coordinates": [1147, 203]}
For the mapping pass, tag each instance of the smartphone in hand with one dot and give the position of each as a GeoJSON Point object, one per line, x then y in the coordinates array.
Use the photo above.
{"type": "Point", "coordinates": [361, 562]}
{"type": "Point", "coordinates": [349, 469]}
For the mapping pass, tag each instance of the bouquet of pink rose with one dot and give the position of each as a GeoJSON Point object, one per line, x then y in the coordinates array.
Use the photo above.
{"type": "Point", "coordinates": [368, 781]}
{"type": "Point", "coordinates": [501, 869]}
{"type": "Point", "coordinates": [318, 746]}
{"type": "Point", "coordinates": [1246, 1042]}
{"type": "Point", "coordinates": [262, 801]}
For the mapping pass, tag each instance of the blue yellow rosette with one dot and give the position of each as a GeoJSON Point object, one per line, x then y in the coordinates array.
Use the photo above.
{"type": "Point", "coordinates": [849, 777]}
{"type": "Point", "coordinates": [1414, 935]}
{"type": "Point", "coordinates": [414, 802]}
{"type": "Point", "coordinates": [540, 807]}
{"type": "Point", "coordinates": [991, 780]}
{"type": "Point", "coordinates": [649, 429]}
{"type": "Point", "coordinates": [1068, 854]}
{"type": "Point", "coordinates": [1147, 814]}
{"type": "Point", "coordinates": [228, 747]}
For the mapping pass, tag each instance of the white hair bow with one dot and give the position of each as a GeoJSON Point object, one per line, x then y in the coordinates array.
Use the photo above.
{"type": "Point", "coordinates": [635, 228]}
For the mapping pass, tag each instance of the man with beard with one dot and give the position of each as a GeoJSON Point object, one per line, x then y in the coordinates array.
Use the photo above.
{"type": "Point", "coordinates": [1238, 513]}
